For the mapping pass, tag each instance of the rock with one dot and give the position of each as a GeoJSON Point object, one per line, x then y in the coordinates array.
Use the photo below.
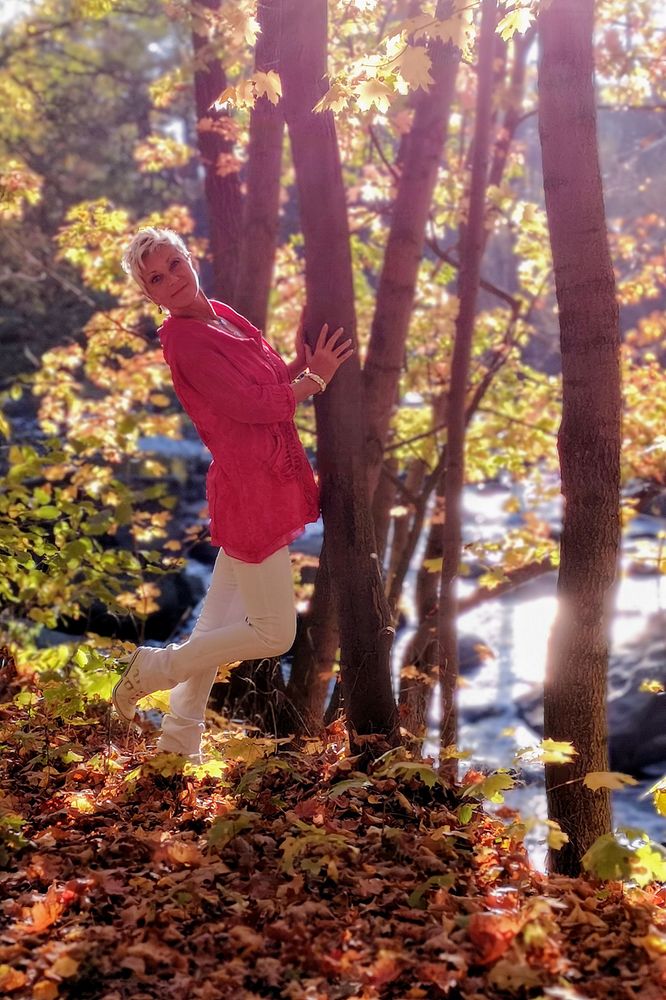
{"type": "Point", "coordinates": [636, 719]}
{"type": "Point", "coordinates": [179, 595]}
{"type": "Point", "coordinates": [473, 651]}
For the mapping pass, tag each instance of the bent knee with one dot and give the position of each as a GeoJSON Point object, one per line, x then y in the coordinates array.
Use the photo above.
{"type": "Point", "coordinates": [277, 635]}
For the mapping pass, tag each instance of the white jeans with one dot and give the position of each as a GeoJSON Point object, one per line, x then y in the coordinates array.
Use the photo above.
{"type": "Point", "coordinates": [248, 613]}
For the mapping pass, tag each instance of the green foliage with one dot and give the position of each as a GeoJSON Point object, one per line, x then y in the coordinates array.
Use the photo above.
{"type": "Point", "coordinates": [11, 839]}
{"type": "Point", "coordinates": [628, 855]}
{"type": "Point", "coordinates": [490, 787]}
{"type": "Point", "coordinates": [224, 828]}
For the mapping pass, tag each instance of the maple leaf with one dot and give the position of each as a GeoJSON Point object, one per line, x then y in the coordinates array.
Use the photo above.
{"type": "Point", "coordinates": [268, 85]}
{"type": "Point", "coordinates": [607, 779]}
{"type": "Point", "coordinates": [491, 787]}
{"type": "Point", "coordinates": [374, 93]}
{"type": "Point", "coordinates": [492, 934]}
{"type": "Point", "coordinates": [548, 752]}
{"type": "Point", "coordinates": [517, 20]}
{"type": "Point", "coordinates": [44, 912]}
{"type": "Point", "coordinates": [335, 99]}
{"type": "Point", "coordinates": [414, 65]}
{"type": "Point", "coordinates": [658, 793]}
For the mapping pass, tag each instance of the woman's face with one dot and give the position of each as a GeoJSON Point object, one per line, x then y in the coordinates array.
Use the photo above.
{"type": "Point", "coordinates": [169, 278]}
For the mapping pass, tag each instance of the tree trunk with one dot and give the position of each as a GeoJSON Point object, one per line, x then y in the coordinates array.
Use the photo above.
{"type": "Point", "coordinates": [421, 655]}
{"type": "Point", "coordinates": [223, 194]}
{"type": "Point", "coordinates": [365, 633]}
{"type": "Point", "coordinates": [262, 198]}
{"type": "Point", "coordinates": [589, 437]}
{"type": "Point", "coordinates": [420, 159]}
{"type": "Point", "coordinates": [471, 251]}
{"type": "Point", "coordinates": [313, 658]}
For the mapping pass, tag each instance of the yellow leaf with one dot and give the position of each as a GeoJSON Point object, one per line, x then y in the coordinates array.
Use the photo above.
{"type": "Point", "coordinates": [268, 85]}
{"type": "Point", "coordinates": [65, 967]}
{"type": "Point", "coordinates": [433, 565]}
{"type": "Point", "coordinates": [548, 752]}
{"type": "Point", "coordinates": [556, 838]}
{"type": "Point", "coordinates": [607, 779]}
{"type": "Point", "coordinates": [82, 802]}
{"type": "Point", "coordinates": [45, 989]}
{"type": "Point", "coordinates": [159, 399]}
{"type": "Point", "coordinates": [652, 687]}
{"type": "Point", "coordinates": [158, 700]}
{"type": "Point", "coordinates": [11, 979]}
{"type": "Point", "coordinates": [335, 99]}
{"type": "Point", "coordinates": [517, 20]}
{"type": "Point", "coordinates": [414, 66]}
{"type": "Point", "coordinates": [374, 92]}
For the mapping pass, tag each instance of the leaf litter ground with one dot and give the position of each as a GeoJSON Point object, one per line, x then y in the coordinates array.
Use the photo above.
{"type": "Point", "coordinates": [271, 872]}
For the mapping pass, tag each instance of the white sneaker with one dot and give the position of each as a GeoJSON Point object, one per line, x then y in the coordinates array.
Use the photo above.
{"type": "Point", "coordinates": [129, 688]}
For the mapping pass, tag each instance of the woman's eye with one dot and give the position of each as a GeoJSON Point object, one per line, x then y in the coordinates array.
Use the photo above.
{"type": "Point", "coordinates": [155, 278]}
{"type": "Point", "coordinates": [174, 263]}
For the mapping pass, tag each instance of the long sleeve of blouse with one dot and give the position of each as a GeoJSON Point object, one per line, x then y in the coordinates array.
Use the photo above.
{"type": "Point", "coordinates": [225, 390]}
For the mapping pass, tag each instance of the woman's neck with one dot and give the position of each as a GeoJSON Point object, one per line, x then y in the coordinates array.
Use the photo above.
{"type": "Point", "coordinates": [201, 308]}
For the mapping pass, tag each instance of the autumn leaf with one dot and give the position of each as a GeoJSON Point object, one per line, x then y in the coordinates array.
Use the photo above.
{"type": "Point", "coordinates": [658, 793]}
{"type": "Point", "coordinates": [335, 99]}
{"type": "Point", "coordinates": [517, 20]}
{"type": "Point", "coordinates": [375, 93]}
{"type": "Point", "coordinates": [652, 687]}
{"type": "Point", "coordinates": [492, 934]}
{"type": "Point", "coordinates": [268, 85]}
{"type": "Point", "coordinates": [414, 65]}
{"type": "Point", "coordinates": [416, 899]}
{"type": "Point", "coordinates": [513, 977]}
{"type": "Point", "coordinates": [491, 787]}
{"type": "Point", "coordinates": [548, 752]}
{"type": "Point", "coordinates": [43, 913]}
{"type": "Point", "coordinates": [11, 979]}
{"type": "Point", "coordinates": [433, 565]}
{"type": "Point", "coordinates": [608, 779]}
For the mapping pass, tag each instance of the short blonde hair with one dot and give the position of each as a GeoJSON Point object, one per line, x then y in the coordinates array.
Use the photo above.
{"type": "Point", "coordinates": [144, 242]}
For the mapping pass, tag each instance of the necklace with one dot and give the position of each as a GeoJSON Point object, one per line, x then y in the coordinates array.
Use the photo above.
{"type": "Point", "coordinates": [223, 324]}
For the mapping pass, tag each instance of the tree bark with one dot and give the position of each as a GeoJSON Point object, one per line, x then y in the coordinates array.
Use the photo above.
{"type": "Point", "coordinates": [589, 437]}
{"type": "Point", "coordinates": [365, 633]}
{"type": "Point", "coordinates": [420, 158]}
{"type": "Point", "coordinates": [262, 197]}
{"type": "Point", "coordinates": [313, 658]}
{"type": "Point", "coordinates": [223, 194]}
{"type": "Point", "coordinates": [471, 251]}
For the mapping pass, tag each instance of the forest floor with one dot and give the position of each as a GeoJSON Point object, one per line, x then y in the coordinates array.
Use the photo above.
{"type": "Point", "coordinates": [271, 872]}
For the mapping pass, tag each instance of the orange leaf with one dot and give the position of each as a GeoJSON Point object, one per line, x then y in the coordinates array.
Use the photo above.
{"type": "Point", "coordinates": [492, 934]}
{"type": "Point", "coordinates": [44, 912]}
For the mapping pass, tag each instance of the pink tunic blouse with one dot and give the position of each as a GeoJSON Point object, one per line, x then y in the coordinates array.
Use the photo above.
{"type": "Point", "coordinates": [260, 488]}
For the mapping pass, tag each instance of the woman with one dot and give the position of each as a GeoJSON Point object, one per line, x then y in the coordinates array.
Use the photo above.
{"type": "Point", "coordinates": [241, 397]}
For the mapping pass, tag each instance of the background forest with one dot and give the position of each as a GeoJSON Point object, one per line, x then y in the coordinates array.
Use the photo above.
{"type": "Point", "coordinates": [381, 163]}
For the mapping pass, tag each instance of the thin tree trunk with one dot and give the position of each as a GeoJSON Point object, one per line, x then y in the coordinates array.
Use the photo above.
{"type": "Point", "coordinates": [313, 658]}
{"type": "Point", "coordinates": [589, 438]}
{"type": "Point", "coordinates": [471, 252]}
{"type": "Point", "coordinates": [420, 159]}
{"type": "Point", "coordinates": [262, 198]}
{"type": "Point", "coordinates": [223, 194]}
{"type": "Point", "coordinates": [421, 655]}
{"type": "Point", "coordinates": [365, 633]}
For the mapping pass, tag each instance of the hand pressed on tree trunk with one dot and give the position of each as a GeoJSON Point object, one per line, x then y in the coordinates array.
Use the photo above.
{"type": "Point", "coordinates": [328, 354]}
